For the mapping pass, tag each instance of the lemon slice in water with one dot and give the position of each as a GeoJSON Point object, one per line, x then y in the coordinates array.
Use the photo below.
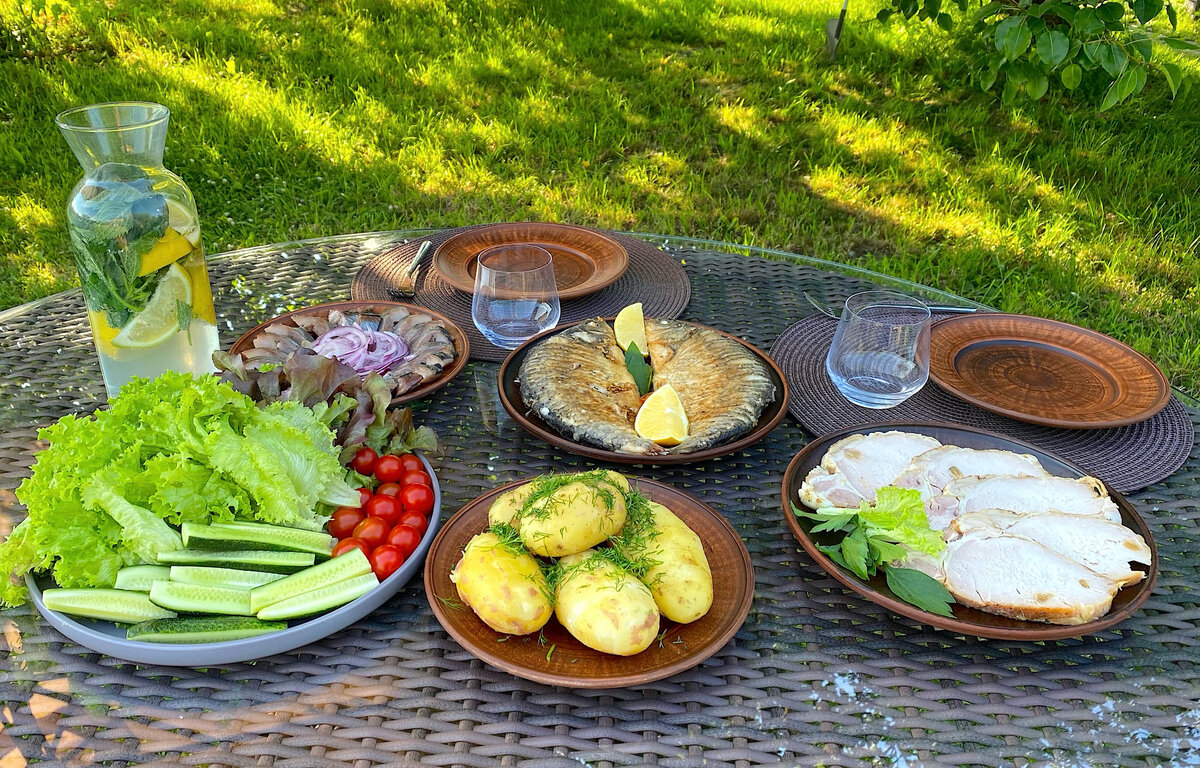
{"type": "Point", "coordinates": [170, 248]}
{"type": "Point", "coordinates": [183, 221]}
{"type": "Point", "coordinates": [159, 321]}
{"type": "Point", "coordinates": [630, 328]}
{"type": "Point", "coordinates": [661, 418]}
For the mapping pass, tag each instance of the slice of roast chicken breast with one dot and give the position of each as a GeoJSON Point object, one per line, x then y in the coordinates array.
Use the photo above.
{"type": "Point", "coordinates": [855, 467]}
{"type": "Point", "coordinates": [1022, 494]}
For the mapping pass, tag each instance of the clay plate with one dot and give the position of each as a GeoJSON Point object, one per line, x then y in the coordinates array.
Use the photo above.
{"type": "Point", "coordinates": [572, 664]}
{"type": "Point", "coordinates": [510, 397]}
{"type": "Point", "coordinates": [1045, 372]}
{"type": "Point", "coordinates": [461, 345]}
{"type": "Point", "coordinates": [585, 261]}
{"type": "Point", "coordinates": [966, 621]}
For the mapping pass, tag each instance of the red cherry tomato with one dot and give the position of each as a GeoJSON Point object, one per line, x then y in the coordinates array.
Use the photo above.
{"type": "Point", "coordinates": [341, 525]}
{"type": "Point", "coordinates": [364, 495]}
{"type": "Point", "coordinates": [416, 520]}
{"type": "Point", "coordinates": [416, 477]}
{"type": "Point", "coordinates": [371, 531]}
{"type": "Point", "coordinates": [405, 538]}
{"type": "Point", "coordinates": [345, 545]}
{"type": "Point", "coordinates": [417, 498]}
{"type": "Point", "coordinates": [388, 489]}
{"type": "Point", "coordinates": [364, 461]}
{"type": "Point", "coordinates": [411, 462]}
{"type": "Point", "coordinates": [385, 560]}
{"type": "Point", "coordinates": [388, 469]}
{"type": "Point", "coordinates": [386, 508]}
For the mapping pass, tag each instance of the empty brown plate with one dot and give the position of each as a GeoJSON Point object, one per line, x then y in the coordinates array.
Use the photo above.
{"type": "Point", "coordinates": [967, 620]}
{"type": "Point", "coordinates": [557, 658]}
{"type": "Point", "coordinates": [584, 261]}
{"type": "Point", "coordinates": [461, 345]}
{"type": "Point", "coordinates": [510, 398]}
{"type": "Point", "coordinates": [1045, 372]}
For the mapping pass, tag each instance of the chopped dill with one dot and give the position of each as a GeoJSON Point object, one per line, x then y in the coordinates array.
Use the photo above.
{"type": "Point", "coordinates": [510, 540]}
{"type": "Point", "coordinates": [539, 504]}
{"type": "Point", "coordinates": [452, 603]}
{"type": "Point", "coordinates": [541, 637]}
{"type": "Point", "coordinates": [550, 652]}
{"type": "Point", "coordinates": [661, 636]}
{"type": "Point", "coordinates": [504, 639]}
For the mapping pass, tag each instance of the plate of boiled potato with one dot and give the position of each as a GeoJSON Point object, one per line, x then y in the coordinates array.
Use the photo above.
{"type": "Point", "coordinates": [589, 580]}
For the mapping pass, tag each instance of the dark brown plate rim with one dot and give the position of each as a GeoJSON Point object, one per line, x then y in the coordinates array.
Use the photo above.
{"type": "Point", "coordinates": [462, 347]}
{"type": "Point", "coordinates": [950, 383]}
{"type": "Point", "coordinates": [515, 406]}
{"type": "Point", "coordinates": [630, 670]}
{"type": "Point", "coordinates": [598, 281]}
{"type": "Point", "coordinates": [967, 621]}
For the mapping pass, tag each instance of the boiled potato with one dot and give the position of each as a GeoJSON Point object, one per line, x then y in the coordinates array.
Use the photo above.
{"type": "Point", "coordinates": [507, 506]}
{"type": "Point", "coordinates": [506, 589]}
{"type": "Point", "coordinates": [603, 606]}
{"type": "Point", "coordinates": [575, 516]}
{"type": "Point", "coordinates": [678, 575]}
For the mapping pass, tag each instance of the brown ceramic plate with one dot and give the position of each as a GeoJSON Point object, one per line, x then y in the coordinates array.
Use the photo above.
{"type": "Point", "coordinates": [585, 261]}
{"type": "Point", "coordinates": [1045, 372]}
{"type": "Point", "coordinates": [510, 397]}
{"type": "Point", "coordinates": [966, 621]}
{"type": "Point", "coordinates": [571, 663]}
{"type": "Point", "coordinates": [461, 345]}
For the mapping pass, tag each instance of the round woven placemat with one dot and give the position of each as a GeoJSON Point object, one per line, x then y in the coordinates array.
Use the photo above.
{"type": "Point", "coordinates": [1127, 458]}
{"type": "Point", "coordinates": [654, 277]}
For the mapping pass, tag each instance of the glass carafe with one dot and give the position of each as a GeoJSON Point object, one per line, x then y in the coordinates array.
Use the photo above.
{"type": "Point", "coordinates": [136, 238]}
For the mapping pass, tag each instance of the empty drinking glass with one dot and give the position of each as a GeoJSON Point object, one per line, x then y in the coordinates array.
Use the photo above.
{"type": "Point", "coordinates": [880, 353]}
{"type": "Point", "coordinates": [515, 294]}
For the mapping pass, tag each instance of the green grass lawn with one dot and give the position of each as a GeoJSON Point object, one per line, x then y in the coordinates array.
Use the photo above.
{"type": "Point", "coordinates": [720, 120]}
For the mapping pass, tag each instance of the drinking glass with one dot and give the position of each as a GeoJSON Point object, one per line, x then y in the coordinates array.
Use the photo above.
{"type": "Point", "coordinates": [515, 294]}
{"type": "Point", "coordinates": [880, 352]}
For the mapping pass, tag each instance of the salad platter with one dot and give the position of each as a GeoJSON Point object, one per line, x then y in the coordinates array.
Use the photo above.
{"type": "Point", "coordinates": [965, 619]}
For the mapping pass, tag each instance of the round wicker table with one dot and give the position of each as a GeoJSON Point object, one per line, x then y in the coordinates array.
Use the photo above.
{"type": "Point", "coordinates": [816, 676]}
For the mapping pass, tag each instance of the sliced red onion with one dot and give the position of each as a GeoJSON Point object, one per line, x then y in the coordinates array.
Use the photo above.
{"type": "Point", "coordinates": [362, 349]}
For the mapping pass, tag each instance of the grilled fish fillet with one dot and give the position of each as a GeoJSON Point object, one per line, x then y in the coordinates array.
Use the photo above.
{"type": "Point", "coordinates": [723, 386]}
{"type": "Point", "coordinates": [576, 382]}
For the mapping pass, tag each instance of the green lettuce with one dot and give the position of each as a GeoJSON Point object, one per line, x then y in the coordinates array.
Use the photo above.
{"type": "Point", "coordinates": [899, 516]}
{"type": "Point", "coordinates": [109, 488]}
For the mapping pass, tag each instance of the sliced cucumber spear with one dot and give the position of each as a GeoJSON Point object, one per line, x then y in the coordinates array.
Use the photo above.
{"type": "Point", "coordinates": [345, 566]}
{"type": "Point", "coordinates": [216, 629]}
{"type": "Point", "coordinates": [256, 536]}
{"type": "Point", "coordinates": [274, 562]}
{"type": "Point", "coordinates": [230, 578]}
{"type": "Point", "coordinates": [138, 578]}
{"type": "Point", "coordinates": [320, 600]}
{"type": "Point", "coordinates": [108, 604]}
{"type": "Point", "coordinates": [193, 598]}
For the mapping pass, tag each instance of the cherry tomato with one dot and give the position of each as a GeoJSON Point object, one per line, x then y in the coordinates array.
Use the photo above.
{"type": "Point", "coordinates": [404, 538]}
{"type": "Point", "coordinates": [388, 469]}
{"type": "Point", "coordinates": [341, 525]}
{"type": "Point", "coordinates": [386, 508]}
{"type": "Point", "coordinates": [364, 461]}
{"type": "Point", "coordinates": [416, 477]}
{"type": "Point", "coordinates": [364, 495]}
{"type": "Point", "coordinates": [417, 498]}
{"type": "Point", "coordinates": [388, 489]}
{"type": "Point", "coordinates": [371, 531]}
{"type": "Point", "coordinates": [345, 545]}
{"type": "Point", "coordinates": [416, 520]}
{"type": "Point", "coordinates": [411, 462]}
{"type": "Point", "coordinates": [385, 560]}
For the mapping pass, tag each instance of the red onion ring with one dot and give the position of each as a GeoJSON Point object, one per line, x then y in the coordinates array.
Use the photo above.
{"type": "Point", "coordinates": [362, 349]}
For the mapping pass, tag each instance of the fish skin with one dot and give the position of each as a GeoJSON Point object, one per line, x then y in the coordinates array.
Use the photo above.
{"type": "Point", "coordinates": [576, 382]}
{"type": "Point", "coordinates": [723, 386]}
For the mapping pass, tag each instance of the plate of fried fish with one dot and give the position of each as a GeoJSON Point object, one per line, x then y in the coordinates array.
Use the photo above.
{"type": "Point", "coordinates": [573, 388]}
{"type": "Point", "coordinates": [1027, 546]}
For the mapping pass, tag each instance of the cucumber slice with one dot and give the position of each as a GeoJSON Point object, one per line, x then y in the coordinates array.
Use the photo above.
{"type": "Point", "coordinates": [230, 578]}
{"type": "Point", "coordinates": [193, 598]}
{"type": "Point", "coordinates": [109, 604]}
{"type": "Point", "coordinates": [138, 578]}
{"type": "Point", "coordinates": [320, 600]}
{"type": "Point", "coordinates": [344, 566]}
{"type": "Point", "coordinates": [272, 562]}
{"type": "Point", "coordinates": [256, 536]}
{"type": "Point", "coordinates": [202, 629]}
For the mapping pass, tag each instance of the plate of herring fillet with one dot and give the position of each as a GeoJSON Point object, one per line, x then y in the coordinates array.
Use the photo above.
{"type": "Point", "coordinates": [969, 531]}
{"type": "Point", "coordinates": [581, 388]}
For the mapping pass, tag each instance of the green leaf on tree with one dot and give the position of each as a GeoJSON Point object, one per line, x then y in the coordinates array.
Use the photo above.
{"type": "Point", "coordinates": [1174, 76]}
{"type": "Point", "coordinates": [986, 10]}
{"type": "Point", "coordinates": [1087, 23]}
{"type": "Point", "coordinates": [1037, 86]}
{"type": "Point", "coordinates": [1145, 10]}
{"type": "Point", "coordinates": [920, 589]}
{"type": "Point", "coordinates": [1013, 37]}
{"type": "Point", "coordinates": [1113, 58]}
{"type": "Point", "coordinates": [945, 21]}
{"type": "Point", "coordinates": [1172, 16]}
{"type": "Point", "coordinates": [1052, 47]}
{"type": "Point", "coordinates": [884, 14]}
{"type": "Point", "coordinates": [1111, 11]}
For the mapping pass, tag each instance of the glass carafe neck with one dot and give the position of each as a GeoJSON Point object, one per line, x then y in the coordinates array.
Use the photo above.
{"type": "Point", "coordinates": [131, 132]}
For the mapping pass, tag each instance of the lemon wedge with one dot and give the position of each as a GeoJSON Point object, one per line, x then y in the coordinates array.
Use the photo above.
{"type": "Point", "coordinates": [102, 333]}
{"type": "Point", "coordinates": [630, 328]}
{"type": "Point", "coordinates": [170, 248]}
{"type": "Point", "coordinates": [183, 221]}
{"type": "Point", "coordinates": [661, 418]}
{"type": "Point", "coordinates": [159, 321]}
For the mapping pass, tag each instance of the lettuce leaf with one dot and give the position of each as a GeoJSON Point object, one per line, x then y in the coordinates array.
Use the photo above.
{"type": "Point", "coordinates": [899, 517]}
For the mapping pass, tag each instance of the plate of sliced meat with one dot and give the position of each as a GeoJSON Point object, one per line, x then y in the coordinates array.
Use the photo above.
{"type": "Point", "coordinates": [1030, 548]}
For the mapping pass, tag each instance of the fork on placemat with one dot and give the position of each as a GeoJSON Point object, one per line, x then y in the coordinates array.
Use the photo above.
{"type": "Point", "coordinates": [406, 282]}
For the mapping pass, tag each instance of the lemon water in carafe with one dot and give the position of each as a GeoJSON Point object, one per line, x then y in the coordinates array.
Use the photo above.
{"type": "Point", "coordinates": [136, 239]}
